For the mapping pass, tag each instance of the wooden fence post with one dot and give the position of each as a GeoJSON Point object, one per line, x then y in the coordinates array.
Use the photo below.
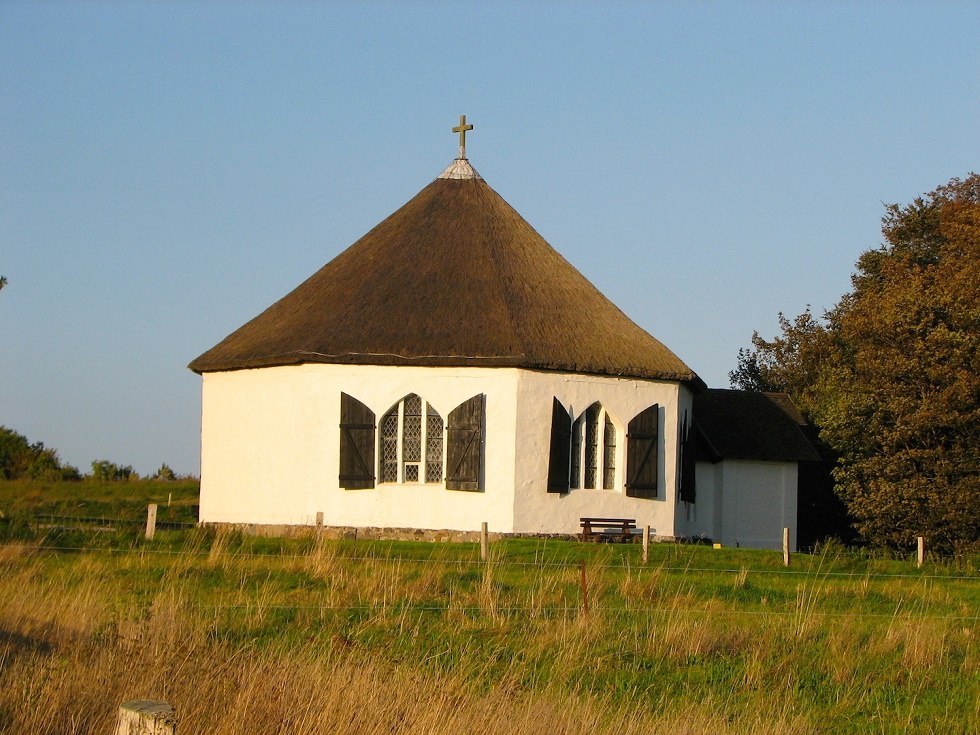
{"type": "Point", "coordinates": [146, 717]}
{"type": "Point", "coordinates": [484, 542]}
{"type": "Point", "coordinates": [921, 551]}
{"type": "Point", "coordinates": [646, 544]}
{"type": "Point", "coordinates": [785, 547]}
{"type": "Point", "coordinates": [151, 521]}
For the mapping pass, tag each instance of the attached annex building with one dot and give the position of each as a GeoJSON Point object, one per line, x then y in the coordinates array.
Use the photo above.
{"type": "Point", "coordinates": [451, 368]}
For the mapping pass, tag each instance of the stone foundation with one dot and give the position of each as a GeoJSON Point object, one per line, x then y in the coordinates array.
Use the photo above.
{"type": "Point", "coordinates": [349, 533]}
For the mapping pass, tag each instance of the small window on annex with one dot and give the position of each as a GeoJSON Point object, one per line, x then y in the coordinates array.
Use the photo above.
{"type": "Point", "coordinates": [593, 450]}
{"type": "Point", "coordinates": [411, 442]}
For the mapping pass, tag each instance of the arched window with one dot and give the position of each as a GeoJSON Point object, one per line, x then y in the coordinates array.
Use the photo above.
{"type": "Point", "coordinates": [593, 450]}
{"type": "Point", "coordinates": [411, 442]}
{"type": "Point", "coordinates": [609, 455]}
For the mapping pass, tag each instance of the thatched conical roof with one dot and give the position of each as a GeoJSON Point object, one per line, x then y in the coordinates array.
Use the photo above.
{"type": "Point", "coordinates": [455, 277]}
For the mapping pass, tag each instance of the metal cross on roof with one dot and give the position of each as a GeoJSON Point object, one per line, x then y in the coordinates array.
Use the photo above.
{"type": "Point", "coordinates": [461, 129]}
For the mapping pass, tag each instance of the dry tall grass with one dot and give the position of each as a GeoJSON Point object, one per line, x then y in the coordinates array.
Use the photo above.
{"type": "Point", "coordinates": [80, 635]}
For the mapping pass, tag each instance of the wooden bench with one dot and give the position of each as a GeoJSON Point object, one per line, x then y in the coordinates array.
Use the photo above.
{"type": "Point", "coordinates": [607, 529]}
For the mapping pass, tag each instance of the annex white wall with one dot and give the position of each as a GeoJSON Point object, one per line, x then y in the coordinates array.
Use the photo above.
{"type": "Point", "coordinates": [270, 447]}
{"type": "Point", "coordinates": [746, 503]}
{"type": "Point", "coordinates": [703, 518]}
{"type": "Point", "coordinates": [538, 511]}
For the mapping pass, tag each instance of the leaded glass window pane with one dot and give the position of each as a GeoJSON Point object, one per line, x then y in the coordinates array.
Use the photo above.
{"type": "Point", "coordinates": [412, 430]}
{"type": "Point", "coordinates": [401, 436]}
{"type": "Point", "coordinates": [591, 444]}
{"type": "Point", "coordinates": [389, 446]}
{"type": "Point", "coordinates": [433, 446]}
{"type": "Point", "coordinates": [609, 456]}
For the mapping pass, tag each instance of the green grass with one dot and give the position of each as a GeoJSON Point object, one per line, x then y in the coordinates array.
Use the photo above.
{"type": "Point", "coordinates": [177, 501]}
{"type": "Point", "coordinates": [842, 641]}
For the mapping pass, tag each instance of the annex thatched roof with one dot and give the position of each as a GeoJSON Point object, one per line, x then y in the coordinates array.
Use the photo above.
{"type": "Point", "coordinates": [734, 424]}
{"type": "Point", "coordinates": [455, 277]}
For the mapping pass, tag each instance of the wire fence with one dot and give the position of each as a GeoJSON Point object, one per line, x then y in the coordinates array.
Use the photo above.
{"type": "Point", "coordinates": [498, 561]}
{"type": "Point", "coordinates": [53, 523]}
{"type": "Point", "coordinates": [605, 609]}
{"type": "Point", "coordinates": [71, 523]}
{"type": "Point", "coordinates": [460, 602]}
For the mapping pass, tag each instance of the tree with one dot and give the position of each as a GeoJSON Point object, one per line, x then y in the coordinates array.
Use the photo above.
{"type": "Point", "coordinates": [3, 282]}
{"type": "Point", "coordinates": [892, 377]}
{"type": "Point", "coordinates": [787, 364]}
{"type": "Point", "coordinates": [900, 395]}
{"type": "Point", "coordinates": [105, 471]}
{"type": "Point", "coordinates": [165, 474]}
{"type": "Point", "coordinates": [20, 458]}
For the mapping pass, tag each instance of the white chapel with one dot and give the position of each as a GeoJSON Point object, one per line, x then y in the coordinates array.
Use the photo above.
{"type": "Point", "coordinates": [451, 368]}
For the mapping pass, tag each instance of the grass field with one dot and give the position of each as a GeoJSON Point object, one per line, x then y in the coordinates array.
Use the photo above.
{"type": "Point", "coordinates": [247, 635]}
{"type": "Point", "coordinates": [25, 499]}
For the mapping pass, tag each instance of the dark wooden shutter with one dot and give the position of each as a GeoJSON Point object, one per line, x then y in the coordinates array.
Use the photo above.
{"type": "Point", "coordinates": [464, 450]}
{"type": "Point", "coordinates": [356, 444]}
{"type": "Point", "coordinates": [688, 459]}
{"type": "Point", "coordinates": [642, 445]}
{"type": "Point", "coordinates": [561, 447]}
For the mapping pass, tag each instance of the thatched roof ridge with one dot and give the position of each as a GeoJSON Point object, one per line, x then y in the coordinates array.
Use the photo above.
{"type": "Point", "coordinates": [735, 424]}
{"type": "Point", "coordinates": [455, 277]}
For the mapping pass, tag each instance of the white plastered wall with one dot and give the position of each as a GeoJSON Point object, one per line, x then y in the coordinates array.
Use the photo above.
{"type": "Point", "coordinates": [270, 447]}
{"type": "Point", "coordinates": [704, 519]}
{"type": "Point", "coordinates": [538, 511]}
{"type": "Point", "coordinates": [746, 503]}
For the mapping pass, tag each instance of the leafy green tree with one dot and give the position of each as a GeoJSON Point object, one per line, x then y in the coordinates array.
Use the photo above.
{"type": "Point", "coordinates": [892, 376]}
{"type": "Point", "coordinates": [105, 471]}
{"type": "Point", "coordinates": [165, 474]}
{"type": "Point", "coordinates": [900, 394]}
{"type": "Point", "coordinates": [20, 458]}
{"type": "Point", "coordinates": [790, 363]}
{"type": "Point", "coordinates": [15, 452]}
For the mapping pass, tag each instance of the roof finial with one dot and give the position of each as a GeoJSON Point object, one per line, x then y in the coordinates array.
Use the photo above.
{"type": "Point", "coordinates": [461, 129]}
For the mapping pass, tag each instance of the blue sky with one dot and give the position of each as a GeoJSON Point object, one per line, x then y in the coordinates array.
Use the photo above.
{"type": "Point", "coordinates": [169, 170]}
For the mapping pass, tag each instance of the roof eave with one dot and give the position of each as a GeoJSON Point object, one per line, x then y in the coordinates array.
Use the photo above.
{"type": "Point", "coordinates": [201, 366]}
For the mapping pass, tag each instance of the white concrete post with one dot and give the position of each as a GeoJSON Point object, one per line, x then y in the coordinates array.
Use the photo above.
{"type": "Point", "coordinates": [921, 551]}
{"type": "Point", "coordinates": [146, 717]}
{"type": "Point", "coordinates": [785, 547]}
{"type": "Point", "coordinates": [151, 521]}
{"type": "Point", "coordinates": [484, 542]}
{"type": "Point", "coordinates": [646, 544]}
